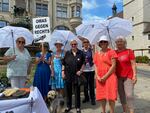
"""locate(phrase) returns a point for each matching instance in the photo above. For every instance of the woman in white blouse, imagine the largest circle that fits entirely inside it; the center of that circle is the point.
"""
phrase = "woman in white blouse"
(18, 64)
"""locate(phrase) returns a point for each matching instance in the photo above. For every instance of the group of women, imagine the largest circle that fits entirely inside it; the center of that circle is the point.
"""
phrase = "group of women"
(115, 72)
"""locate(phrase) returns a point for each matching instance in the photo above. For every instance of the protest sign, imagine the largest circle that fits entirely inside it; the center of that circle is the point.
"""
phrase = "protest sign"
(41, 28)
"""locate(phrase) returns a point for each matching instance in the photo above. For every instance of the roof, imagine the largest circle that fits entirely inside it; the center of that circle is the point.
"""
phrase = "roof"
(120, 14)
(147, 29)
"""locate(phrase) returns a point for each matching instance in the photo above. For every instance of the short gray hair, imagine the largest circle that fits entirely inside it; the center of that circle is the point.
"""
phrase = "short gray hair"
(122, 38)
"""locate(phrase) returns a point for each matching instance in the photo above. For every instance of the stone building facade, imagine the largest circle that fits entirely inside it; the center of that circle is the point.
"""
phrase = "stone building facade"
(137, 11)
(64, 14)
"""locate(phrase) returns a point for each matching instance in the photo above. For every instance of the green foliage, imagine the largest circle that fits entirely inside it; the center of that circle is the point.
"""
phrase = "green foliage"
(3, 78)
(22, 24)
(142, 59)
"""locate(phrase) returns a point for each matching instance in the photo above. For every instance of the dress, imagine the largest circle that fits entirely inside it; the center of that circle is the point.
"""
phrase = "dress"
(108, 89)
(42, 75)
(57, 82)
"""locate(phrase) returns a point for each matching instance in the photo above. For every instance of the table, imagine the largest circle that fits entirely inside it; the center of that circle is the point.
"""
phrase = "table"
(33, 104)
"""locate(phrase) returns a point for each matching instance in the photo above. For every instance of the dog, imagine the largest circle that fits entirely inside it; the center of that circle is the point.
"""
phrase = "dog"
(55, 102)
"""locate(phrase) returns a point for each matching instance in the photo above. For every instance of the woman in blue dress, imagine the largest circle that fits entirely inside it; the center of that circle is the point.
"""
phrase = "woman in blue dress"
(43, 71)
(57, 81)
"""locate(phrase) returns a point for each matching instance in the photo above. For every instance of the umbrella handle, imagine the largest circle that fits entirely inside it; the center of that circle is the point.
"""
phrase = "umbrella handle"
(65, 45)
(12, 34)
(42, 48)
(110, 38)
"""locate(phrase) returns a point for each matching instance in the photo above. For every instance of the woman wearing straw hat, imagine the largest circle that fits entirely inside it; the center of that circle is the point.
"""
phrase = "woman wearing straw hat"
(56, 65)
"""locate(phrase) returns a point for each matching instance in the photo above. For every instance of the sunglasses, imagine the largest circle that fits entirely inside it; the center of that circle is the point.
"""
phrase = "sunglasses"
(86, 42)
(73, 44)
(21, 42)
(103, 42)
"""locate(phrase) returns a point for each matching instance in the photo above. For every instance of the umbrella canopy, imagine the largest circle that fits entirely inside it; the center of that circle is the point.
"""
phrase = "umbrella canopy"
(83, 29)
(9, 34)
(111, 28)
(65, 37)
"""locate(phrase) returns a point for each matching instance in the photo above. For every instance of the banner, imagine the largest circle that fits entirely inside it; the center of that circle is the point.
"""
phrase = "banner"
(41, 28)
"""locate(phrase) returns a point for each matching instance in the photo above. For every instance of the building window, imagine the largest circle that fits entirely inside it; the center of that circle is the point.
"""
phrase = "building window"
(148, 36)
(73, 11)
(132, 18)
(61, 11)
(4, 5)
(78, 13)
(132, 37)
(149, 49)
(62, 28)
(3, 24)
(41, 9)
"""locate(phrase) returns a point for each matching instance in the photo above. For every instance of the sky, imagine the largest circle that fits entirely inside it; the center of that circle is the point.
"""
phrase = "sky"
(99, 9)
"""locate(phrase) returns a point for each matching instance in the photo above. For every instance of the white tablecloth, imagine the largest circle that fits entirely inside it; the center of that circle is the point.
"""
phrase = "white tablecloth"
(33, 104)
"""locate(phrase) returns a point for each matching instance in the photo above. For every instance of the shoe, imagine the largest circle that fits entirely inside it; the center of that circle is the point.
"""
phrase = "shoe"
(78, 110)
(93, 102)
(85, 100)
(67, 110)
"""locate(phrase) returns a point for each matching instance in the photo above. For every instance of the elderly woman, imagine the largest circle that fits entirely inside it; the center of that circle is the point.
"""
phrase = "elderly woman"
(73, 66)
(18, 66)
(106, 80)
(43, 71)
(126, 72)
(88, 73)
(57, 82)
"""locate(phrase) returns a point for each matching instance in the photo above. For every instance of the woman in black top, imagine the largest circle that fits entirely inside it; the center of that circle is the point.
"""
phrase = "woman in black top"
(73, 65)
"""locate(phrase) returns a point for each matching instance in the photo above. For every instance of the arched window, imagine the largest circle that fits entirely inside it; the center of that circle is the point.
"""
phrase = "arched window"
(62, 28)
(78, 11)
(73, 11)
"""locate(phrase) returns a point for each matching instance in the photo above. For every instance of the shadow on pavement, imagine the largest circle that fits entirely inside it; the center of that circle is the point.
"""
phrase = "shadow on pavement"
(141, 106)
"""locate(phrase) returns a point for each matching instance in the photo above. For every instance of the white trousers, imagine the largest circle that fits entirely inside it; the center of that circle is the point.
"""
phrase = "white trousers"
(18, 82)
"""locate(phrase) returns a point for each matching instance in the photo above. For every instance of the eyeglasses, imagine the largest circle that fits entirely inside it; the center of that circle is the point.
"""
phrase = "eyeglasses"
(21, 42)
(103, 42)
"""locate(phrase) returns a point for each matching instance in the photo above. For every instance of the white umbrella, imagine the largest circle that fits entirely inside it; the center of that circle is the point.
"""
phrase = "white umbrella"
(65, 36)
(111, 28)
(83, 29)
(9, 34)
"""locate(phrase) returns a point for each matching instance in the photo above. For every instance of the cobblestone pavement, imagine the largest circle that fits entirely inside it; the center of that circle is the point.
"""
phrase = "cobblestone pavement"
(142, 99)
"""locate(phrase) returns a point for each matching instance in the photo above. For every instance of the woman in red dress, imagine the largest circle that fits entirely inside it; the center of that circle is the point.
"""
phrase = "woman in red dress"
(106, 80)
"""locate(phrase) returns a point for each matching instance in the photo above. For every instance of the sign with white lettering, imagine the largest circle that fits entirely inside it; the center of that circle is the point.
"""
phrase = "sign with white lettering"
(41, 28)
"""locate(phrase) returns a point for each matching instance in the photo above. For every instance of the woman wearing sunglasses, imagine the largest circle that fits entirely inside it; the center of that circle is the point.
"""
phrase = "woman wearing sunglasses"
(88, 73)
(106, 80)
(73, 65)
(18, 64)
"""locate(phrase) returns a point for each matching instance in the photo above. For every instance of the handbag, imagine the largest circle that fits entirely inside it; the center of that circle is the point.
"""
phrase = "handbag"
(81, 80)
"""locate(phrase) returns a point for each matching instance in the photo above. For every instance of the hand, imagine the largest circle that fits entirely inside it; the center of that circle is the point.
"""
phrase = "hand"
(103, 79)
(63, 74)
(52, 74)
(78, 73)
(13, 57)
(42, 58)
(134, 80)
(98, 78)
